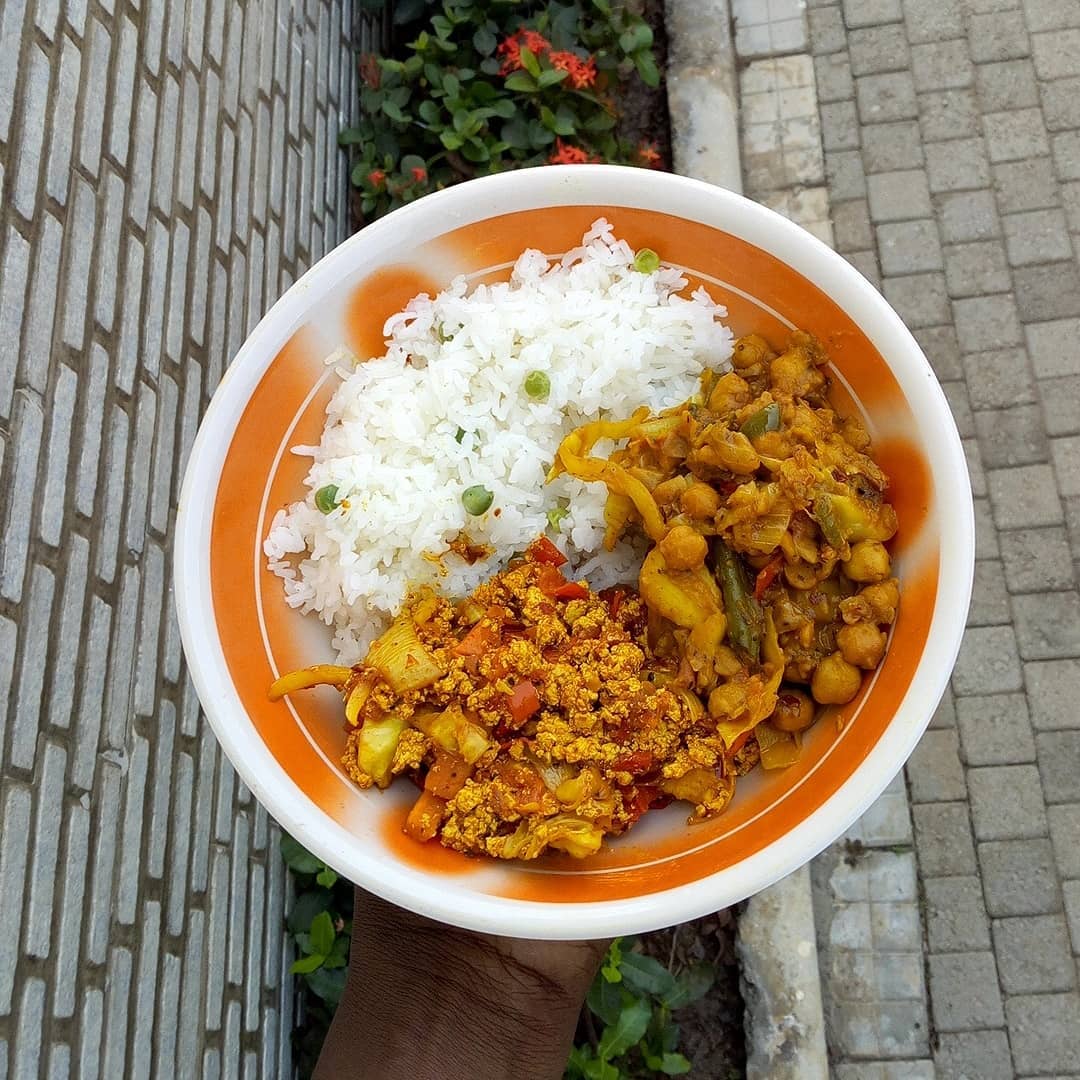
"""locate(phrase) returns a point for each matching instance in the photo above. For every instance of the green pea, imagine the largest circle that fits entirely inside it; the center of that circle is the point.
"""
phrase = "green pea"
(460, 434)
(537, 385)
(477, 500)
(646, 261)
(326, 499)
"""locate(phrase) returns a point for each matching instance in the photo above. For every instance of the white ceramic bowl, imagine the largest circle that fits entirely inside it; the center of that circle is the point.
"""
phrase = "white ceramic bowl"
(238, 634)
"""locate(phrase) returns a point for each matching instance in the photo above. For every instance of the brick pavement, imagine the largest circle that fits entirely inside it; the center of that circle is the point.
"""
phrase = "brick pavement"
(950, 134)
(167, 170)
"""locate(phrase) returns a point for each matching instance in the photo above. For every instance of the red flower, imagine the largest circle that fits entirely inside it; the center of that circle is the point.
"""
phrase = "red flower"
(376, 178)
(581, 73)
(650, 156)
(569, 155)
(419, 174)
(368, 66)
(510, 49)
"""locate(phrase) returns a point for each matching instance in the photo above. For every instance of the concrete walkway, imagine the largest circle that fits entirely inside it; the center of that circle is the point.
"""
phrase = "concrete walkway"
(937, 143)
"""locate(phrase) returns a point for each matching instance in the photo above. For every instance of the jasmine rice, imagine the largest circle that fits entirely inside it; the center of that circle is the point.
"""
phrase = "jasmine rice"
(475, 392)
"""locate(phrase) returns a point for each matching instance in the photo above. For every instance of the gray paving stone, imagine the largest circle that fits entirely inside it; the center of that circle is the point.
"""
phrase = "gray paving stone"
(1044, 1032)
(1036, 236)
(1024, 497)
(1050, 14)
(968, 215)
(920, 299)
(896, 196)
(964, 991)
(986, 322)
(948, 114)
(1012, 436)
(957, 165)
(844, 171)
(976, 269)
(1015, 135)
(934, 770)
(986, 540)
(877, 50)
(45, 847)
(1047, 625)
(956, 918)
(941, 65)
(886, 97)
(1054, 53)
(942, 350)
(960, 407)
(943, 839)
(908, 247)
(1051, 346)
(976, 473)
(1059, 759)
(1019, 878)
(926, 20)
(1053, 689)
(832, 75)
(995, 730)
(1065, 146)
(973, 1055)
(851, 226)
(988, 662)
(839, 126)
(1037, 560)
(1061, 404)
(1064, 823)
(1066, 457)
(1026, 185)
(13, 863)
(1007, 803)
(995, 36)
(1009, 84)
(1000, 377)
(1033, 954)
(892, 147)
(945, 714)
(1061, 103)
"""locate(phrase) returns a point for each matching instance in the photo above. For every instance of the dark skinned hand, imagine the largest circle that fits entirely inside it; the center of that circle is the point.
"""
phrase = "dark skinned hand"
(424, 1001)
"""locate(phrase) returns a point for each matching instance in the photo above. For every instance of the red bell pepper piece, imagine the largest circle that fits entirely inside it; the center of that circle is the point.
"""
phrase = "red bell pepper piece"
(544, 551)
(767, 575)
(524, 701)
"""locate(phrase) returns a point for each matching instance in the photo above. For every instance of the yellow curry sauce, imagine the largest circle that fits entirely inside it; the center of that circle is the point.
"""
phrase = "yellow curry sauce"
(538, 714)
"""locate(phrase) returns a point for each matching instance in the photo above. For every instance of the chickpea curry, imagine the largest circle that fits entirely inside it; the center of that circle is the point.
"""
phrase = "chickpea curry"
(538, 714)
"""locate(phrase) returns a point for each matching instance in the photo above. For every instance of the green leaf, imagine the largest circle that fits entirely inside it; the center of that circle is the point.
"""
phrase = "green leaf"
(601, 1070)
(522, 81)
(646, 68)
(601, 121)
(539, 136)
(326, 877)
(322, 933)
(433, 74)
(602, 6)
(620, 1036)
(393, 110)
(413, 66)
(350, 137)
(451, 140)
(327, 984)
(483, 93)
(638, 36)
(484, 41)
(550, 77)
(412, 161)
(605, 1000)
(490, 66)
(443, 26)
(307, 964)
(452, 85)
(297, 857)
(579, 1058)
(516, 133)
(610, 969)
(428, 111)
(474, 150)
(669, 1036)
(646, 975)
(307, 906)
(565, 122)
(674, 1065)
(529, 62)
(504, 107)
(406, 11)
(692, 984)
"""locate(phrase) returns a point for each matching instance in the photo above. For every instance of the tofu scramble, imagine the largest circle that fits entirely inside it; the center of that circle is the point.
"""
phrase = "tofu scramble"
(538, 714)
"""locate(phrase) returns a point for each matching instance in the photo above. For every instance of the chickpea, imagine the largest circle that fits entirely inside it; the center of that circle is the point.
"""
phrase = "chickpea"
(749, 351)
(683, 548)
(669, 491)
(800, 575)
(794, 711)
(730, 393)
(869, 562)
(700, 501)
(861, 644)
(835, 681)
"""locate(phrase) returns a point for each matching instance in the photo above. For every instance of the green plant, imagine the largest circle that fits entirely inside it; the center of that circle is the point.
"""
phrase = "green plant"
(490, 85)
(634, 995)
(320, 924)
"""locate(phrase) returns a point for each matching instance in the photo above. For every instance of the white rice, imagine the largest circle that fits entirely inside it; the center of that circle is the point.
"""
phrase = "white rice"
(609, 338)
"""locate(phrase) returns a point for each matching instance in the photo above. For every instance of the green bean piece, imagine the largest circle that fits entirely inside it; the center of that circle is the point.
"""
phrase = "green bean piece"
(537, 385)
(646, 261)
(746, 620)
(459, 435)
(326, 500)
(823, 513)
(477, 500)
(555, 516)
(767, 419)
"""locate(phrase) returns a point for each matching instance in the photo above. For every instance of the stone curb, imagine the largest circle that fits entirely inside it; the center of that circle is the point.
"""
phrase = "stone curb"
(777, 945)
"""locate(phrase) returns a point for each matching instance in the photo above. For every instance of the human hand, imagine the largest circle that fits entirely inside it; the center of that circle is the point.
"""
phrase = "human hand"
(428, 1001)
